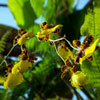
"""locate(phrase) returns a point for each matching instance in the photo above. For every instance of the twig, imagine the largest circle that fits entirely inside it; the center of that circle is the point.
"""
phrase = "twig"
(58, 53)
(5, 62)
(63, 38)
(56, 40)
(3, 5)
(8, 53)
(70, 44)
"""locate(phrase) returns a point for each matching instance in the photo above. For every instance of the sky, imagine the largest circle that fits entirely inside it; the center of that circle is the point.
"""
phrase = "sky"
(6, 18)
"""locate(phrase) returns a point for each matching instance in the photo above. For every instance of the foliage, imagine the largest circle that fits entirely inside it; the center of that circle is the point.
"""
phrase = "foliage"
(42, 80)
(92, 68)
(3, 41)
(92, 21)
(23, 13)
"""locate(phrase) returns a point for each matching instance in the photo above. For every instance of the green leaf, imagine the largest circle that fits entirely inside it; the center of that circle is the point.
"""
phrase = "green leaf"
(92, 70)
(45, 8)
(4, 40)
(3, 94)
(70, 5)
(91, 26)
(92, 21)
(38, 6)
(23, 13)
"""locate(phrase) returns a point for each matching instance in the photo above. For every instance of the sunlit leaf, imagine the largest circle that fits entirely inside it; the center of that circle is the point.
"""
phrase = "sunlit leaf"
(92, 21)
(23, 13)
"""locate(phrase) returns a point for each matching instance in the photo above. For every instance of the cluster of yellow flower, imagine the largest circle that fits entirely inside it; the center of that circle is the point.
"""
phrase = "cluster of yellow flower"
(14, 75)
(46, 30)
(84, 51)
(23, 36)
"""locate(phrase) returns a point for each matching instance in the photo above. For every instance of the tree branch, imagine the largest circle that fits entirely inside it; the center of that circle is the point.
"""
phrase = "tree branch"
(3, 5)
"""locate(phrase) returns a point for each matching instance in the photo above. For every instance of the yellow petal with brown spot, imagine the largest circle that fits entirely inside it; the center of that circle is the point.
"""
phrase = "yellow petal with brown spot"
(78, 79)
(89, 51)
(13, 80)
(64, 52)
(24, 37)
(21, 66)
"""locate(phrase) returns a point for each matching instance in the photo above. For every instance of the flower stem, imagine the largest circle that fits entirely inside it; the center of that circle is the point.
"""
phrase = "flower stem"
(63, 38)
(58, 53)
(9, 53)
(70, 44)
(5, 62)
(56, 40)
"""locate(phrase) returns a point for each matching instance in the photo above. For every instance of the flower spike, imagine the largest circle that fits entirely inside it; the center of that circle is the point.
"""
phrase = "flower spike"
(23, 36)
(13, 80)
(89, 51)
(46, 30)
(25, 62)
(64, 51)
(78, 79)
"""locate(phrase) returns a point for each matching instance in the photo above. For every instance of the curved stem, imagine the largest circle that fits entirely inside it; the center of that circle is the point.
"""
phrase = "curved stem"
(9, 53)
(56, 40)
(5, 62)
(65, 40)
(58, 53)
(70, 44)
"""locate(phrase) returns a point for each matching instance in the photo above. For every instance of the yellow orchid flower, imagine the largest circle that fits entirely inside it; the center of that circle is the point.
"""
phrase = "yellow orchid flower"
(42, 37)
(1, 79)
(13, 80)
(21, 40)
(51, 30)
(24, 37)
(89, 51)
(64, 51)
(78, 79)
(65, 70)
(45, 34)
(21, 66)
(29, 34)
